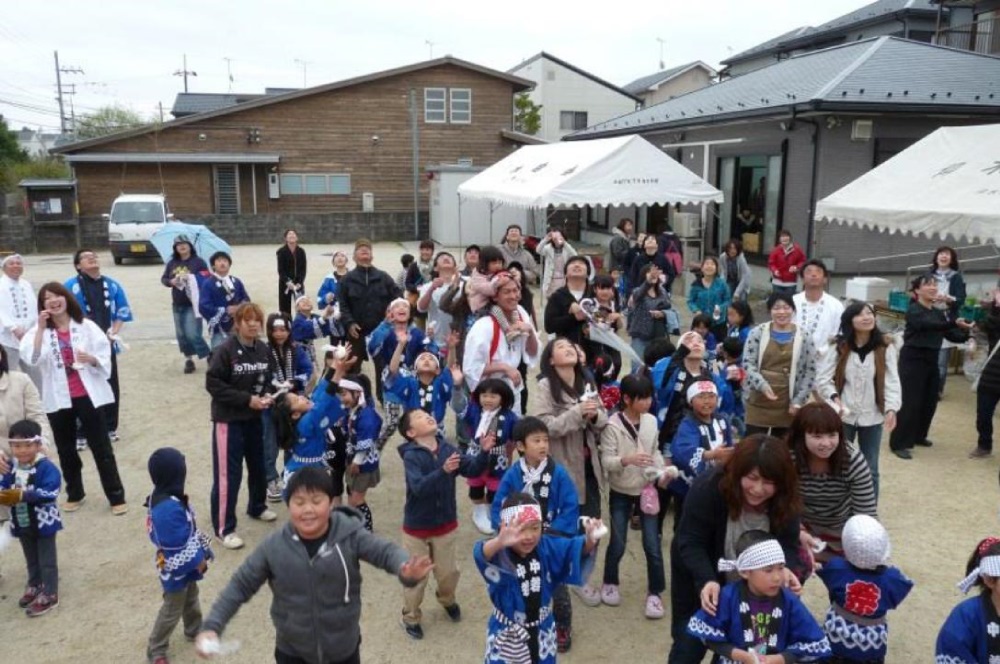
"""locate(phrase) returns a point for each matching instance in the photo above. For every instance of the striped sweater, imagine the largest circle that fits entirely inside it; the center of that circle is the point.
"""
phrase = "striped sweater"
(830, 500)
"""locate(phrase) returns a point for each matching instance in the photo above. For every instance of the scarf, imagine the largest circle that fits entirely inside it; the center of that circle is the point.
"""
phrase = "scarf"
(18, 300)
(226, 282)
(505, 323)
(487, 423)
(283, 371)
(532, 475)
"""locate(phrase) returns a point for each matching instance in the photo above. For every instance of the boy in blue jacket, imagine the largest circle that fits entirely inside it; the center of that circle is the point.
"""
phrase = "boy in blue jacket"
(430, 514)
(30, 489)
(182, 552)
(218, 297)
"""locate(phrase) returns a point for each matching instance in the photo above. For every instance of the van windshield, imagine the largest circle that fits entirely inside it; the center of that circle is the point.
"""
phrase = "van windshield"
(137, 212)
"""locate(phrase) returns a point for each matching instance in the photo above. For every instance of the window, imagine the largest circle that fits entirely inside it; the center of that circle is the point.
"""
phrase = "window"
(572, 120)
(434, 105)
(461, 105)
(227, 189)
(315, 184)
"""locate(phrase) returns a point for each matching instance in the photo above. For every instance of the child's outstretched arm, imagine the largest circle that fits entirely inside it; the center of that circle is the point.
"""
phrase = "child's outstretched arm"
(394, 559)
(402, 338)
(243, 585)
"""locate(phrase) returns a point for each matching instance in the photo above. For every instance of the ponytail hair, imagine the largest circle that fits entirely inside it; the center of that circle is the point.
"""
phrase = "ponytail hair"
(286, 431)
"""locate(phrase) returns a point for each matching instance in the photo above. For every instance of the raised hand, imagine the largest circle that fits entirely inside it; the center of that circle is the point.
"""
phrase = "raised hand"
(416, 568)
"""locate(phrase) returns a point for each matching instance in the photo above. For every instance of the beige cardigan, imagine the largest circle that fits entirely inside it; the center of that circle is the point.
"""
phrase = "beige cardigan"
(568, 433)
(19, 400)
(617, 442)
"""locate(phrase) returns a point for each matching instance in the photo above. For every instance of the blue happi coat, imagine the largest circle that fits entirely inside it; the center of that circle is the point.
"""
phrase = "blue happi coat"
(561, 511)
(37, 513)
(310, 447)
(965, 634)
(180, 547)
(214, 297)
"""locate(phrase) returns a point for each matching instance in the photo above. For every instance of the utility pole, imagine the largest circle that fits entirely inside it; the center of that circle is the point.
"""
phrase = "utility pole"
(229, 72)
(185, 73)
(161, 112)
(305, 65)
(59, 89)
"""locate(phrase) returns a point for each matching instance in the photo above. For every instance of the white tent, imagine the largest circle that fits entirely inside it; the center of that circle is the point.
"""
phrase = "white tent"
(612, 171)
(946, 184)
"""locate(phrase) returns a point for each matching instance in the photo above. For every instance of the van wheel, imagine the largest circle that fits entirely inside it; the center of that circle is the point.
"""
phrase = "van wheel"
(118, 260)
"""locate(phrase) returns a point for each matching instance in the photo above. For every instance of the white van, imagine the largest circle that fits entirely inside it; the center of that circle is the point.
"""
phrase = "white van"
(133, 220)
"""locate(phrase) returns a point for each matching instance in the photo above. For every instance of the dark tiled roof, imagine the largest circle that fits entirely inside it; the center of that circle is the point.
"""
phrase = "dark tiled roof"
(189, 103)
(883, 73)
(574, 68)
(641, 85)
(870, 13)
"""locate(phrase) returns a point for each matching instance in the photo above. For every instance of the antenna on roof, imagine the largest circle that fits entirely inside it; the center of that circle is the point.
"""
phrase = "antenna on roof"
(662, 41)
(430, 48)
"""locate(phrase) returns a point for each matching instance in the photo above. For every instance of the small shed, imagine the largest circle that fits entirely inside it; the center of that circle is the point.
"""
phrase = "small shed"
(52, 211)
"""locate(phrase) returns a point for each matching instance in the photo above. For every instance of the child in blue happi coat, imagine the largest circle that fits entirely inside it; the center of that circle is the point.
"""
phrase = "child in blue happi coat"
(182, 551)
(756, 619)
(971, 634)
(218, 297)
(327, 294)
(30, 489)
(863, 588)
(489, 414)
(739, 320)
(521, 567)
(352, 445)
(703, 440)
(422, 384)
(307, 326)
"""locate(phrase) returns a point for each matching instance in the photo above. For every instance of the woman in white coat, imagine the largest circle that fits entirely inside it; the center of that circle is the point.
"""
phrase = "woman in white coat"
(74, 357)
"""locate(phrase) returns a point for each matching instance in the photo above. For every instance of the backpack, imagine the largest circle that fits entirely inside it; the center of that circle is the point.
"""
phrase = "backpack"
(673, 253)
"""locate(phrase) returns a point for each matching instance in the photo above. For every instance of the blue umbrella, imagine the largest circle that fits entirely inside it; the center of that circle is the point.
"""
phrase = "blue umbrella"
(204, 241)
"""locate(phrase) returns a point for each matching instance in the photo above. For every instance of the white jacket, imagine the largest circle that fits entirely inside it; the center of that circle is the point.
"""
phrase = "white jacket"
(859, 385)
(85, 336)
(18, 308)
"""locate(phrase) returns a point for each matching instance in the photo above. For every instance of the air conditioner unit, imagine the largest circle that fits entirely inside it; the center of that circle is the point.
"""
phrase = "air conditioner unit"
(687, 224)
(273, 186)
(367, 202)
(862, 130)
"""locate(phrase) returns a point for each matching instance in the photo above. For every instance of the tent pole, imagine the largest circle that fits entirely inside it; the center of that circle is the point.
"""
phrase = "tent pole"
(459, 218)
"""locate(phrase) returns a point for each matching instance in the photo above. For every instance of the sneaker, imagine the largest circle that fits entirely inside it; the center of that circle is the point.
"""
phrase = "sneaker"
(267, 515)
(274, 491)
(120, 509)
(42, 605)
(980, 453)
(415, 632)
(654, 607)
(589, 595)
(162, 659)
(481, 517)
(610, 595)
(73, 505)
(924, 443)
(113, 436)
(81, 444)
(189, 366)
(564, 638)
(232, 541)
(30, 593)
(454, 612)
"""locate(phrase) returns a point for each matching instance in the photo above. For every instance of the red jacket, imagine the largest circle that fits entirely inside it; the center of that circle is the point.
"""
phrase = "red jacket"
(780, 263)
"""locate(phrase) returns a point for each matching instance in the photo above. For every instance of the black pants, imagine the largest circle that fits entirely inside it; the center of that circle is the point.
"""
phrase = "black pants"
(43, 564)
(684, 602)
(94, 427)
(284, 658)
(232, 443)
(986, 405)
(918, 374)
(592, 501)
(111, 410)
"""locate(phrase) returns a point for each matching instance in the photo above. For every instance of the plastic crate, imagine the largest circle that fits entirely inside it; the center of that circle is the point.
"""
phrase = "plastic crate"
(899, 301)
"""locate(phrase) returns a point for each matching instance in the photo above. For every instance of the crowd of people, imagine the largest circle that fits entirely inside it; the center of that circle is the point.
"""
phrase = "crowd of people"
(759, 441)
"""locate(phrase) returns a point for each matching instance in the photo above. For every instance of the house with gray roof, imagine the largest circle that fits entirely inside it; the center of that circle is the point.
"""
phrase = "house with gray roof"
(669, 83)
(910, 19)
(780, 138)
(189, 103)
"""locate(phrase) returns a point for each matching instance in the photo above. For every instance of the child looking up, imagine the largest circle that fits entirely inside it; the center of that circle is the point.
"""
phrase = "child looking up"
(182, 551)
(219, 296)
(352, 447)
(863, 588)
(430, 514)
(427, 387)
(969, 635)
(308, 326)
(521, 567)
(757, 620)
(30, 489)
(702, 324)
(480, 288)
(488, 414)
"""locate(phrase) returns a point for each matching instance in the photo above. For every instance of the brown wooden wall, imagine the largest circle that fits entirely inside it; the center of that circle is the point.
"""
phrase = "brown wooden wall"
(324, 133)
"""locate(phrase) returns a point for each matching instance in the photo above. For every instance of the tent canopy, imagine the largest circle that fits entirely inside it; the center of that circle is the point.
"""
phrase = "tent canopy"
(626, 170)
(946, 184)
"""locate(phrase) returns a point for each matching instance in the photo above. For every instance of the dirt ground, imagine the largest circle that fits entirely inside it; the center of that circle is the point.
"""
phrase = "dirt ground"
(936, 507)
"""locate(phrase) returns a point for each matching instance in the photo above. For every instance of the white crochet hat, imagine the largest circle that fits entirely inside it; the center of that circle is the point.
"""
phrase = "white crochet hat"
(866, 542)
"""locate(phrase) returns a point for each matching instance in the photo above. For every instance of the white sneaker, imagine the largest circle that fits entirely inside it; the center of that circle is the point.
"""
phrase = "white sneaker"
(267, 515)
(81, 444)
(113, 436)
(232, 541)
(588, 594)
(274, 491)
(481, 517)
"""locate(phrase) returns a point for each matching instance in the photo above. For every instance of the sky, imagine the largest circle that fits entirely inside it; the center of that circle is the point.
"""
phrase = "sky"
(128, 52)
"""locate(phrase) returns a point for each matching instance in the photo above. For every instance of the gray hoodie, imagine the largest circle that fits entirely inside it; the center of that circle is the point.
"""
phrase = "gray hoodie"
(316, 604)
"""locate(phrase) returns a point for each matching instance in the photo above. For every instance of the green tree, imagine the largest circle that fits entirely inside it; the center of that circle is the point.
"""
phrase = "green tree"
(107, 120)
(41, 168)
(527, 115)
(11, 154)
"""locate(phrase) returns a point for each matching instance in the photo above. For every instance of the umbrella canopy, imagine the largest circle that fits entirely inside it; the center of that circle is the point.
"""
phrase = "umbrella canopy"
(626, 170)
(946, 184)
(204, 241)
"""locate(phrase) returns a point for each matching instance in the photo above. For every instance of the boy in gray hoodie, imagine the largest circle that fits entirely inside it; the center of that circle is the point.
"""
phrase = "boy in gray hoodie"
(313, 568)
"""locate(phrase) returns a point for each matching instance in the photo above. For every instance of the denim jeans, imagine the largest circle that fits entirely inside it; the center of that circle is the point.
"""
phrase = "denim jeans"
(620, 506)
(188, 331)
(986, 405)
(869, 442)
(217, 338)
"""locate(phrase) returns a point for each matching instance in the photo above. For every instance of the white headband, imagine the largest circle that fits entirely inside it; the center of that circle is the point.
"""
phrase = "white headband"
(399, 301)
(518, 514)
(758, 556)
(33, 439)
(351, 386)
(437, 360)
(300, 298)
(279, 322)
(701, 387)
(10, 258)
(988, 566)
